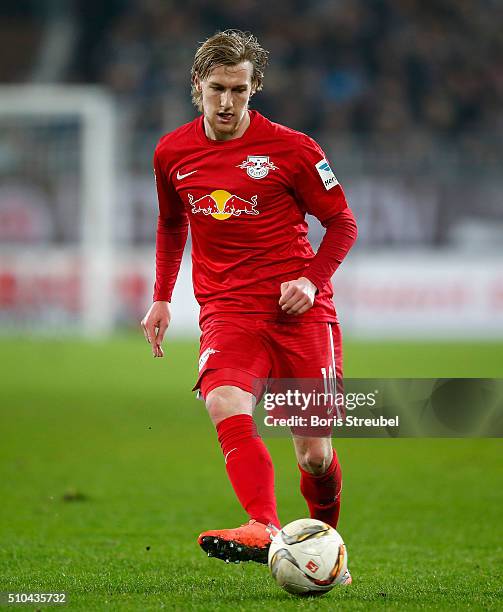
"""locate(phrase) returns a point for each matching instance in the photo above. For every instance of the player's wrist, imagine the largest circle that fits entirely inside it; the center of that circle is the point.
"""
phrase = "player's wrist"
(313, 284)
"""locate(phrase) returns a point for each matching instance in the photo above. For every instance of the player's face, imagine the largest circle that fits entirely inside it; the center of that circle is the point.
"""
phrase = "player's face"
(225, 96)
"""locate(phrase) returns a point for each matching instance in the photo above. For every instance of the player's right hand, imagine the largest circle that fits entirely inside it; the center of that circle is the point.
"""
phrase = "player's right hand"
(154, 325)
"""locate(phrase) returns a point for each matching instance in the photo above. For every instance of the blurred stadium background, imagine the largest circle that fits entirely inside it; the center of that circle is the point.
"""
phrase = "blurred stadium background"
(406, 98)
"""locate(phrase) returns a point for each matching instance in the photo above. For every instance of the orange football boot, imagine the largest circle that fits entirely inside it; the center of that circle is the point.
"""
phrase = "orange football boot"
(250, 542)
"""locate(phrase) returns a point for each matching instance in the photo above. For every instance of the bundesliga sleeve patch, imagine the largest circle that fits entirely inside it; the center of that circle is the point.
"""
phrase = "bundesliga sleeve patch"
(327, 176)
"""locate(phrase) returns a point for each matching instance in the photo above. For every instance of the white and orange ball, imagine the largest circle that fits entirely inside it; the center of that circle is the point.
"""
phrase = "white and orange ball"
(308, 557)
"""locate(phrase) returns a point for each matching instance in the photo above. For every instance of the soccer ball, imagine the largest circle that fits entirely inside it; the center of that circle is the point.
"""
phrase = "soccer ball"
(308, 557)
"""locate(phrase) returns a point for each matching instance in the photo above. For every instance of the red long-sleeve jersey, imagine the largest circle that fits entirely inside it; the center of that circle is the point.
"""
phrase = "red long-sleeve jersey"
(246, 200)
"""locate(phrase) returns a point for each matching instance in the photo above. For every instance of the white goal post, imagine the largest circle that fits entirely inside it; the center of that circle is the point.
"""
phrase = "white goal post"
(94, 109)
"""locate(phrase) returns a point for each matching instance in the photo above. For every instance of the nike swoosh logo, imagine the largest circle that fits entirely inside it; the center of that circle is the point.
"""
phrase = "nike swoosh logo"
(182, 176)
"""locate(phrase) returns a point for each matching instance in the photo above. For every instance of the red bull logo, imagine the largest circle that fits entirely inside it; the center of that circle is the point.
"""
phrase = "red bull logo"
(221, 205)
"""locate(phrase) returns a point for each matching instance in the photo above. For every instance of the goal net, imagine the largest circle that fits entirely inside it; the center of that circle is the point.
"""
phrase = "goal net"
(57, 197)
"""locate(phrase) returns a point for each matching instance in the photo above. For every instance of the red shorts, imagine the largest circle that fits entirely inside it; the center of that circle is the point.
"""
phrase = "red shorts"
(238, 351)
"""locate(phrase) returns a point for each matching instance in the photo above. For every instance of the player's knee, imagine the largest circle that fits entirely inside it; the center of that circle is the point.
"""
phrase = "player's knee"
(315, 460)
(222, 403)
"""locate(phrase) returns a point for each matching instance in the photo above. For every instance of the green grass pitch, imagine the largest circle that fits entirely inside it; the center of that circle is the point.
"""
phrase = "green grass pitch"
(109, 469)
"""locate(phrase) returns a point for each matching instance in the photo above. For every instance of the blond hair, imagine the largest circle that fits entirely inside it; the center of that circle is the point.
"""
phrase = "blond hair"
(228, 48)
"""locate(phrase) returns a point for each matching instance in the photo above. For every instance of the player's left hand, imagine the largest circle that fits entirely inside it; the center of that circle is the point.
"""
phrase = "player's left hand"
(297, 296)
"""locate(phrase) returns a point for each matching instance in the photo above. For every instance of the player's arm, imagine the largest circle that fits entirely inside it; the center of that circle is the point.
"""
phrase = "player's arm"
(341, 233)
(318, 190)
(172, 229)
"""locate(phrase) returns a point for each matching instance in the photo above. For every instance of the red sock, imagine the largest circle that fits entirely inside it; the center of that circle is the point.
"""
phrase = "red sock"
(249, 467)
(323, 492)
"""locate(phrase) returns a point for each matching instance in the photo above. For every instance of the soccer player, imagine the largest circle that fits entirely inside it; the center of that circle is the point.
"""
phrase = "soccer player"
(245, 184)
